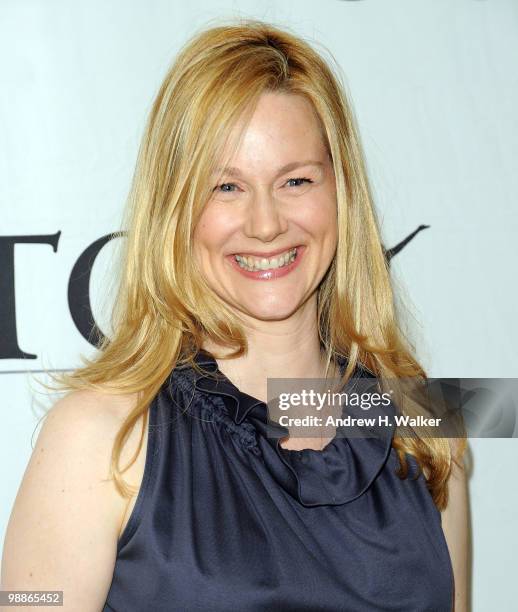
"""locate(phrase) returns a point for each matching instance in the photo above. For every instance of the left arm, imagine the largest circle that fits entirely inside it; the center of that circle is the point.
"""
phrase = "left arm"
(455, 524)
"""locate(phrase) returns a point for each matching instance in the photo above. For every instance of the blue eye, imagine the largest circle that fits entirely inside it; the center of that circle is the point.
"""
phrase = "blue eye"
(224, 185)
(299, 179)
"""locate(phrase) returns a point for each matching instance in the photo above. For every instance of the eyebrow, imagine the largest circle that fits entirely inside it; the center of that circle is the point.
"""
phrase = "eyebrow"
(233, 171)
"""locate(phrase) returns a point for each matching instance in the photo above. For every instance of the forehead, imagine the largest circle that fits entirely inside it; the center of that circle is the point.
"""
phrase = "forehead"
(283, 128)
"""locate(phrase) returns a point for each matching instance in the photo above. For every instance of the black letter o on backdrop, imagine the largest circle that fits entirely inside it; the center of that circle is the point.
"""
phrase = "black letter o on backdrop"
(79, 290)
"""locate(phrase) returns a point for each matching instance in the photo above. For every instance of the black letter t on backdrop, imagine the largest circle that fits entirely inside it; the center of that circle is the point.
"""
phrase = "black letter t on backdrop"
(9, 348)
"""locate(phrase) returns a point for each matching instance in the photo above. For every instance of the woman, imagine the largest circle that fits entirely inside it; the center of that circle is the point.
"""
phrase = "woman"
(252, 252)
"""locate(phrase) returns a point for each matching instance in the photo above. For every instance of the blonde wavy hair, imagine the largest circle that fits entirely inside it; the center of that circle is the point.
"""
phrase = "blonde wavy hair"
(164, 309)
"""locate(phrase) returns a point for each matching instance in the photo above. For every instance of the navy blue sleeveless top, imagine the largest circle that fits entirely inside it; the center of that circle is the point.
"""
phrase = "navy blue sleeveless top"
(226, 519)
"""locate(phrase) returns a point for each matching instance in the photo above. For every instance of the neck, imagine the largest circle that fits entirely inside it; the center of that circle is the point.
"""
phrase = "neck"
(276, 349)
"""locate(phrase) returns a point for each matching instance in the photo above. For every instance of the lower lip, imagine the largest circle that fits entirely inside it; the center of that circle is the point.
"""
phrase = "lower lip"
(269, 274)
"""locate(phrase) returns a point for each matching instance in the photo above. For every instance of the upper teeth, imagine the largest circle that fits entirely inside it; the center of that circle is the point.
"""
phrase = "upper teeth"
(250, 263)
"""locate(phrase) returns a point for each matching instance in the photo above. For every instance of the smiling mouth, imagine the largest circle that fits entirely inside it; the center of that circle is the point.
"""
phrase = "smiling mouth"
(253, 264)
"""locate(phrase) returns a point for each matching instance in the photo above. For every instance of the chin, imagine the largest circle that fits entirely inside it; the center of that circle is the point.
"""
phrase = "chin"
(270, 314)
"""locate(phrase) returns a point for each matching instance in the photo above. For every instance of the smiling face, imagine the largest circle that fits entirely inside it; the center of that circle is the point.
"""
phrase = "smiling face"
(277, 195)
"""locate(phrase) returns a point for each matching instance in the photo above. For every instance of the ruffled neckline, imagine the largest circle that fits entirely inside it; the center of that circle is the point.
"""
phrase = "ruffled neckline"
(338, 473)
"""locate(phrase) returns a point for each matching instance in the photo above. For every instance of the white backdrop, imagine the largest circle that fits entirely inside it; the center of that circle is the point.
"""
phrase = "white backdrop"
(434, 84)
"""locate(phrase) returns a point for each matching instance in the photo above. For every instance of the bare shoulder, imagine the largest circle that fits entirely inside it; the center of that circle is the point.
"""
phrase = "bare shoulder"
(64, 525)
(97, 407)
(98, 416)
(90, 421)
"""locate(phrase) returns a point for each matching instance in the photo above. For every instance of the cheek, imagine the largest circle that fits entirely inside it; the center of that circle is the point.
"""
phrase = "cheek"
(211, 232)
(318, 217)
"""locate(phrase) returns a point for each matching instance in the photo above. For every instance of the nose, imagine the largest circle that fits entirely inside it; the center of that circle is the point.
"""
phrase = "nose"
(265, 219)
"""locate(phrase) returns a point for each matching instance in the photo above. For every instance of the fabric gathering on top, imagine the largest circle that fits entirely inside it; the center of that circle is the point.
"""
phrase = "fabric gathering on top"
(226, 519)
